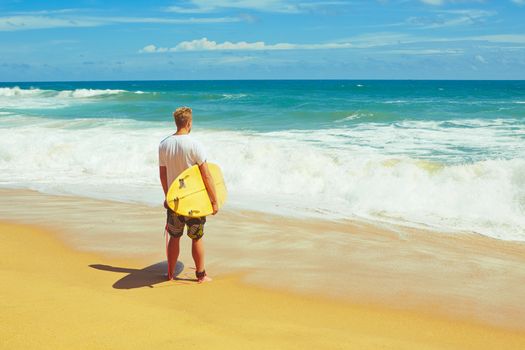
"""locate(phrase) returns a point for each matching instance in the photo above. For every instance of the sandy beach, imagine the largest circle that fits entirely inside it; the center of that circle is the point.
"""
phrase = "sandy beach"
(366, 159)
(85, 273)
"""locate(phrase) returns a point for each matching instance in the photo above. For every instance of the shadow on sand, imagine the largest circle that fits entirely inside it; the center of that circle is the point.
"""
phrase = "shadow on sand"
(146, 277)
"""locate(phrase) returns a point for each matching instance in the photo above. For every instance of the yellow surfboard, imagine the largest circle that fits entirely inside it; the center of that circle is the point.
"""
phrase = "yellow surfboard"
(187, 194)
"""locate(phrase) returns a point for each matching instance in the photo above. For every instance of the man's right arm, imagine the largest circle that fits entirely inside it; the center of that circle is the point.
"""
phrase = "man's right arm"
(163, 173)
(210, 186)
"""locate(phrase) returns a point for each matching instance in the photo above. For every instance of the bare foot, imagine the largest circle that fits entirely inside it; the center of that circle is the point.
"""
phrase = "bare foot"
(204, 279)
(202, 276)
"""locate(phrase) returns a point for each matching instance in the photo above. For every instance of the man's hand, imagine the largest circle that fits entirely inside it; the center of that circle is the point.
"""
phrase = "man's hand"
(210, 186)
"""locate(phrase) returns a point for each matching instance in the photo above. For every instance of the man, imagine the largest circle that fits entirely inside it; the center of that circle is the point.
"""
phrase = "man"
(178, 152)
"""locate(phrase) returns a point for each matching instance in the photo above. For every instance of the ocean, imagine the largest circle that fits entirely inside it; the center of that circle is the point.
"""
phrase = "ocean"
(443, 155)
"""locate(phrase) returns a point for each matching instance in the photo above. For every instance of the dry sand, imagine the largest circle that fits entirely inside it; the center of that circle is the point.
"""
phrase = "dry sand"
(54, 297)
(90, 276)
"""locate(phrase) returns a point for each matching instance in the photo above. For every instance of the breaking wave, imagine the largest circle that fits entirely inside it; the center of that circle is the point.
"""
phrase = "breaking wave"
(289, 172)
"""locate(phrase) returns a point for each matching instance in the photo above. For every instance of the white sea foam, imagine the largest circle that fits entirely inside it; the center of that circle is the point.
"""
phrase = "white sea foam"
(15, 97)
(233, 96)
(18, 92)
(362, 172)
(77, 93)
(352, 116)
(395, 101)
(87, 93)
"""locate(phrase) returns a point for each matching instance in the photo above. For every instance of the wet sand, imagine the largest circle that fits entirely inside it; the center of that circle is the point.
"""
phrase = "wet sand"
(282, 282)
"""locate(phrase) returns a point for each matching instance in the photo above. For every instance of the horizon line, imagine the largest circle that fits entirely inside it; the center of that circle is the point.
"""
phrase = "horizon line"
(242, 79)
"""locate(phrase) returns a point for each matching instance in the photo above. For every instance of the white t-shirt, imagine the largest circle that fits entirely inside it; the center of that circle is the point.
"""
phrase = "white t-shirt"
(179, 152)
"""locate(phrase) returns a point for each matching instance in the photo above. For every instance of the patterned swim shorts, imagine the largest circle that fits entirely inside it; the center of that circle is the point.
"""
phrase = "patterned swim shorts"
(175, 225)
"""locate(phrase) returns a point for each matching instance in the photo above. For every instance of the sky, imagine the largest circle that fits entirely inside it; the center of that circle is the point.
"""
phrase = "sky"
(254, 39)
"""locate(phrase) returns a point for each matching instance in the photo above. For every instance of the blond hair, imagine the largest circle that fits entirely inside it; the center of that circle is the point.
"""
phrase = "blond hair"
(182, 116)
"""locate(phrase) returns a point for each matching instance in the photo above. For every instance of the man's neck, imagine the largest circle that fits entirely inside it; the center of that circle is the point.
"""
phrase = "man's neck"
(182, 131)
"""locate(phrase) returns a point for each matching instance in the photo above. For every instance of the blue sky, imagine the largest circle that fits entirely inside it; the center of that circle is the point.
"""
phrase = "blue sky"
(254, 39)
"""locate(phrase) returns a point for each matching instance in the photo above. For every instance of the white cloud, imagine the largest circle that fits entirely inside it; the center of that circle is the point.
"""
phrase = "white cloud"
(283, 6)
(441, 2)
(431, 52)
(113, 20)
(451, 18)
(24, 22)
(519, 2)
(365, 41)
(209, 45)
(179, 9)
(47, 12)
(494, 38)
(480, 59)
(150, 49)
(498, 38)
(433, 2)
(203, 6)
(40, 22)
(396, 38)
(379, 39)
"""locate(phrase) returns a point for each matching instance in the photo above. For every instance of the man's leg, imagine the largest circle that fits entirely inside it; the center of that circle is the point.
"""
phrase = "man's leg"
(173, 255)
(195, 232)
(197, 251)
(174, 227)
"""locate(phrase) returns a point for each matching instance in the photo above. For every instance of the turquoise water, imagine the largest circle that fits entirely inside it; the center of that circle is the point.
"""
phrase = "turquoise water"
(444, 154)
(280, 105)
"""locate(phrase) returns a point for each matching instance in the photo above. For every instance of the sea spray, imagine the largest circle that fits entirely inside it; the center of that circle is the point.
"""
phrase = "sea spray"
(444, 155)
(271, 172)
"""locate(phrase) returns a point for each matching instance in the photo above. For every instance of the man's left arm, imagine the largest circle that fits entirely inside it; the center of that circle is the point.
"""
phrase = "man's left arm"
(210, 186)
(200, 160)
(163, 173)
